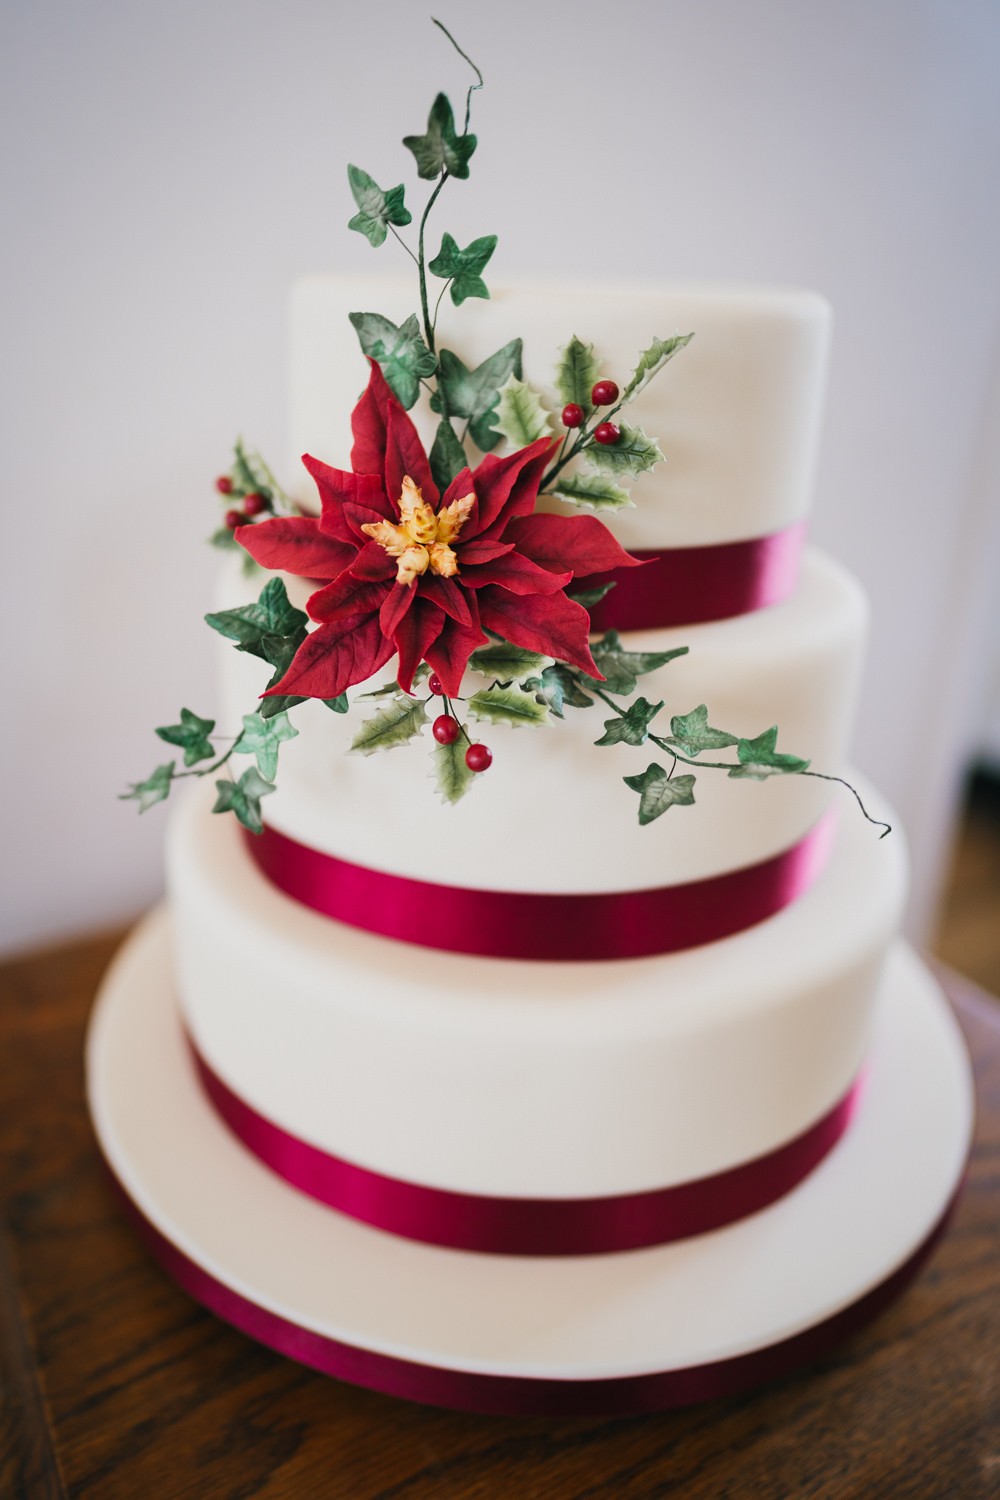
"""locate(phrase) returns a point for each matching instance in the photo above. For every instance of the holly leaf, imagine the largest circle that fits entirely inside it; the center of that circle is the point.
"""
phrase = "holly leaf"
(243, 798)
(576, 372)
(589, 597)
(401, 719)
(192, 735)
(504, 662)
(633, 453)
(631, 727)
(251, 475)
(441, 149)
(692, 733)
(507, 705)
(474, 394)
(401, 352)
(377, 209)
(155, 788)
(447, 456)
(263, 738)
(652, 360)
(593, 491)
(521, 418)
(658, 791)
(272, 614)
(759, 759)
(621, 668)
(463, 268)
(451, 774)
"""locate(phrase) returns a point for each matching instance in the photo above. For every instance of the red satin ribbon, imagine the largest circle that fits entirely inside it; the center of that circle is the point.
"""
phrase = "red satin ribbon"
(521, 1395)
(541, 925)
(529, 1226)
(690, 585)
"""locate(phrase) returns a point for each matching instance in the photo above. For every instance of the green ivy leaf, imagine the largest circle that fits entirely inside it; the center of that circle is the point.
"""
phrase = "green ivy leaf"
(652, 360)
(576, 373)
(263, 738)
(338, 705)
(243, 798)
(447, 456)
(401, 719)
(441, 149)
(759, 759)
(463, 268)
(560, 685)
(633, 453)
(192, 735)
(401, 352)
(376, 209)
(589, 597)
(594, 491)
(631, 727)
(271, 615)
(504, 662)
(451, 774)
(692, 733)
(474, 394)
(279, 651)
(621, 668)
(658, 791)
(507, 705)
(521, 418)
(155, 788)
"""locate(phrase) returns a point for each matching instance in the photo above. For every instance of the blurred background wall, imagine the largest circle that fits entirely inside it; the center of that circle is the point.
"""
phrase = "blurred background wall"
(169, 169)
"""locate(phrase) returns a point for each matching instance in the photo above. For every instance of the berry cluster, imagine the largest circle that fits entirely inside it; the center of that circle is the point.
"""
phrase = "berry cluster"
(255, 503)
(604, 393)
(446, 730)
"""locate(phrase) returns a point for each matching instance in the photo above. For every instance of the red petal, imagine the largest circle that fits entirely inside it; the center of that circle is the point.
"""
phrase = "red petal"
(518, 574)
(581, 543)
(404, 454)
(386, 441)
(368, 424)
(346, 598)
(471, 554)
(395, 605)
(415, 634)
(337, 487)
(296, 544)
(331, 659)
(450, 653)
(552, 624)
(507, 487)
(447, 595)
(373, 563)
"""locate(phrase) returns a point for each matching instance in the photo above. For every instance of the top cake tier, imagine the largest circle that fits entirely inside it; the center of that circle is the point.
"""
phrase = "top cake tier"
(737, 413)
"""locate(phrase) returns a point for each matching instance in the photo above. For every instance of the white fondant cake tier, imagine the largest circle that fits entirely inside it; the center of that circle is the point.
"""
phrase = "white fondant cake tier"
(737, 413)
(552, 813)
(512, 1078)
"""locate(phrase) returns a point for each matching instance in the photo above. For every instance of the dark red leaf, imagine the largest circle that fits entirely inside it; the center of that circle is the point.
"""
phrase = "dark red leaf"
(346, 598)
(415, 634)
(395, 605)
(552, 624)
(446, 594)
(332, 659)
(373, 563)
(338, 487)
(404, 454)
(583, 544)
(296, 544)
(518, 574)
(507, 487)
(449, 655)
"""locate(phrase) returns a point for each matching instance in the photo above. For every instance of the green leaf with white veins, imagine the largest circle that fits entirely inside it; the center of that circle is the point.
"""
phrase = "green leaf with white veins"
(395, 724)
(191, 735)
(592, 491)
(631, 727)
(377, 209)
(621, 668)
(447, 456)
(759, 759)
(658, 791)
(505, 662)
(576, 373)
(243, 798)
(451, 774)
(271, 615)
(472, 395)
(692, 733)
(404, 357)
(507, 705)
(155, 788)
(652, 360)
(263, 738)
(633, 453)
(441, 149)
(463, 268)
(521, 418)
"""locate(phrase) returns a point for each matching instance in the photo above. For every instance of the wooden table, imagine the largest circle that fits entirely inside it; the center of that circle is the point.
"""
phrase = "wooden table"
(114, 1384)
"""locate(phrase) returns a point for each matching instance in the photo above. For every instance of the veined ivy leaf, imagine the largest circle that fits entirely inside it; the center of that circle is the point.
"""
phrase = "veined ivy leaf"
(447, 456)
(576, 373)
(631, 727)
(271, 615)
(279, 650)
(652, 360)
(473, 394)
(376, 209)
(451, 775)
(594, 491)
(692, 733)
(463, 268)
(192, 735)
(401, 352)
(521, 418)
(621, 668)
(589, 597)
(155, 788)
(243, 798)
(338, 705)
(560, 685)
(505, 662)
(401, 719)
(263, 738)
(507, 705)
(441, 149)
(759, 759)
(658, 791)
(633, 453)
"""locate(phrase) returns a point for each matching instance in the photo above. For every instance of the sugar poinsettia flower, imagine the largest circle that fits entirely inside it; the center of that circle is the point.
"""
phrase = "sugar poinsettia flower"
(424, 575)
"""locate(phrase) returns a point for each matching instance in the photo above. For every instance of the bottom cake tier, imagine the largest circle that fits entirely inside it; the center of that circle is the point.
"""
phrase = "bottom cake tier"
(630, 1332)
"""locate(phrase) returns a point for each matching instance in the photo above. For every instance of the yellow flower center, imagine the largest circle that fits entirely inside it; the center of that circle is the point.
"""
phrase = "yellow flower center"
(423, 537)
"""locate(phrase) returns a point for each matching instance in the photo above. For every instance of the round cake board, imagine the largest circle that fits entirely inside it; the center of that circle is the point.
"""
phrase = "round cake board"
(637, 1331)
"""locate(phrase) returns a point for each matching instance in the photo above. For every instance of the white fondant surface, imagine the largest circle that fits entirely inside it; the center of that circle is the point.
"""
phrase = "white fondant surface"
(552, 813)
(840, 1233)
(514, 1078)
(737, 413)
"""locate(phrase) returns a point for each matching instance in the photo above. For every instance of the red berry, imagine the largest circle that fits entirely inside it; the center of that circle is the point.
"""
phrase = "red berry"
(445, 729)
(435, 684)
(234, 518)
(224, 484)
(573, 415)
(607, 433)
(605, 393)
(478, 758)
(254, 504)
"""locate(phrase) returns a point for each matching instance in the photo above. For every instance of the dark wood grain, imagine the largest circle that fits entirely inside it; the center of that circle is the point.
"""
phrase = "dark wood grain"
(115, 1385)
